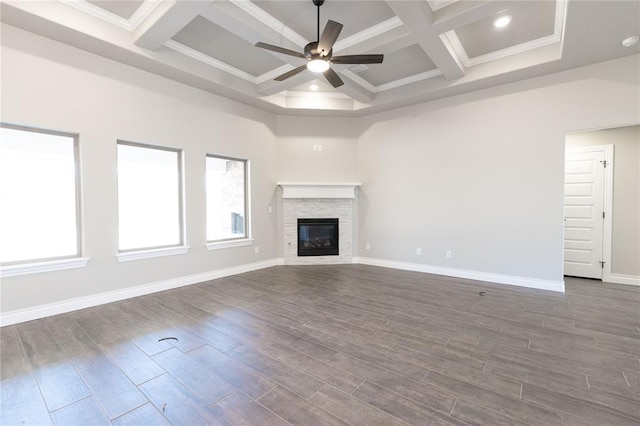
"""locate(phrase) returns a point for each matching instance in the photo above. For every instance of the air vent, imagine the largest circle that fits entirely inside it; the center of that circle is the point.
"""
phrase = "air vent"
(358, 68)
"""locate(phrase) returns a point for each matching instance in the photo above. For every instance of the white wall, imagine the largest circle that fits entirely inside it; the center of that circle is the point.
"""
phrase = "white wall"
(625, 235)
(481, 174)
(52, 86)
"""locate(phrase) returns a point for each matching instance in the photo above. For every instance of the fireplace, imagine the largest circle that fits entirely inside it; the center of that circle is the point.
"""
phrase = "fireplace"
(318, 200)
(318, 237)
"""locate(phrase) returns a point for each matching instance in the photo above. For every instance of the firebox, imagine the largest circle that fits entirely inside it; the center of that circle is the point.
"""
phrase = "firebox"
(318, 237)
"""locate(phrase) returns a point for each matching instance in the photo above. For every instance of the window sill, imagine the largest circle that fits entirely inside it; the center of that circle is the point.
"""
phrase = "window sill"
(40, 267)
(148, 254)
(217, 245)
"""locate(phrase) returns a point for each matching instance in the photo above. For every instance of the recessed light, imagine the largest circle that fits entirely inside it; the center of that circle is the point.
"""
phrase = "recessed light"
(630, 41)
(502, 21)
(314, 87)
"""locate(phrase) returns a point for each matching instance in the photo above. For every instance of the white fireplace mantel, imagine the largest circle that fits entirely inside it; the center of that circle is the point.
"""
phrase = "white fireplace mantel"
(318, 189)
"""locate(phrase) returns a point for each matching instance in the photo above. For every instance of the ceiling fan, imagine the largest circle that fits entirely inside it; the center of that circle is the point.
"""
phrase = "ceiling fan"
(319, 54)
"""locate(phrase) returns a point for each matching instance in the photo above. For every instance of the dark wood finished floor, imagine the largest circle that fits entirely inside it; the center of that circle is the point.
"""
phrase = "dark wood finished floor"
(318, 345)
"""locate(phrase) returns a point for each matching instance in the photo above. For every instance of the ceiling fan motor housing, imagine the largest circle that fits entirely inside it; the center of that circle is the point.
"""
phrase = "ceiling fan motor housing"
(311, 52)
(319, 53)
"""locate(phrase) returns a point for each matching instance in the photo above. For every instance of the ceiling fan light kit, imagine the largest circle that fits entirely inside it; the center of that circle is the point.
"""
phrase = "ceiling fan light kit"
(318, 65)
(319, 54)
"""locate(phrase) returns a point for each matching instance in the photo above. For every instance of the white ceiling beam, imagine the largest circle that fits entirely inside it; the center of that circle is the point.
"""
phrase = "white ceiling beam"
(271, 87)
(354, 90)
(416, 16)
(248, 27)
(166, 21)
(387, 42)
(459, 14)
(74, 27)
(228, 16)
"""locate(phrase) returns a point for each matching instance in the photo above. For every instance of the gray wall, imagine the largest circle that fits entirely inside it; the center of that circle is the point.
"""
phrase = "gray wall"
(625, 241)
(338, 160)
(49, 85)
(481, 174)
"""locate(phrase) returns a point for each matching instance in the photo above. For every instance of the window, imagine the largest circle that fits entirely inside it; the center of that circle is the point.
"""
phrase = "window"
(149, 198)
(226, 199)
(39, 197)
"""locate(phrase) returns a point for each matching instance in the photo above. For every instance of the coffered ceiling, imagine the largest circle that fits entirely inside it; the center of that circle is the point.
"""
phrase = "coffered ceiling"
(432, 48)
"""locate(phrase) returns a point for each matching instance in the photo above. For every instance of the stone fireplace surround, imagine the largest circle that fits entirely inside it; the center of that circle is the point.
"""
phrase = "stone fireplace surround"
(318, 200)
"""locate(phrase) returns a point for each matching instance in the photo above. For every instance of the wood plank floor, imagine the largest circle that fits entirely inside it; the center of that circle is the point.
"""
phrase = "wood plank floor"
(347, 345)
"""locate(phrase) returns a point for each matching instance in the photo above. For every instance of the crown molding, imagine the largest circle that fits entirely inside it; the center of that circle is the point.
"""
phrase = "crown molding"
(100, 13)
(556, 37)
(439, 4)
(199, 56)
(140, 14)
(323, 95)
(392, 84)
(408, 80)
(359, 80)
(256, 12)
(270, 75)
(366, 34)
(143, 13)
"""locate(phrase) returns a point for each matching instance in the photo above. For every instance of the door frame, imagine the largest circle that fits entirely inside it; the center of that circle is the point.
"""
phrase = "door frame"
(607, 229)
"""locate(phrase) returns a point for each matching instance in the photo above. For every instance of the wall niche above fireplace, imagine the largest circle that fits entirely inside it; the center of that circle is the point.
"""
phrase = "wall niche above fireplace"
(318, 237)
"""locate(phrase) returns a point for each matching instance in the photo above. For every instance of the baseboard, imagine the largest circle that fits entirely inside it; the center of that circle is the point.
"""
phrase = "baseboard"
(623, 279)
(461, 273)
(23, 315)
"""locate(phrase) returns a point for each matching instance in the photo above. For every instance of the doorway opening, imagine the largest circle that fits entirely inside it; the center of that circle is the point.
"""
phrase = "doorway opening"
(602, 202)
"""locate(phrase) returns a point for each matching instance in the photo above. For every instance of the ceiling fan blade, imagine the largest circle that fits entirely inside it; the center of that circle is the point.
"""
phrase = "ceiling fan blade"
(328, 38)
(358, 59)
(291, 73)
(279, 49)
(333, 78)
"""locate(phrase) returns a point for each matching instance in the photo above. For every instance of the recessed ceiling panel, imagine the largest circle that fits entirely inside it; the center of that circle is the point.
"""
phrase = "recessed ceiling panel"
(322, 86)
(530, 20)
(124, 9)
(592, 31)
(397, 65)
(439, 4)
(301, 16)
(212, 40)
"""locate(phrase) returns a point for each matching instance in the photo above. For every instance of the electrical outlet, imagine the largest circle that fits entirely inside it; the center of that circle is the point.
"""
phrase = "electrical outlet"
(319, 147)
(449, 254)
(367, 246)
(270, 209)
(419, 251)
(256, 249)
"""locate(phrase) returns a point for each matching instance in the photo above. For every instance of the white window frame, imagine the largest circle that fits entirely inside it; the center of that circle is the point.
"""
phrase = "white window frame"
(167, 250)
(238, 241)
(76, 260)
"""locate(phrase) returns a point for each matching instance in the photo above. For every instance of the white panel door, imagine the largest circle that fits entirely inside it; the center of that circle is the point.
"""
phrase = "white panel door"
(584, 213)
